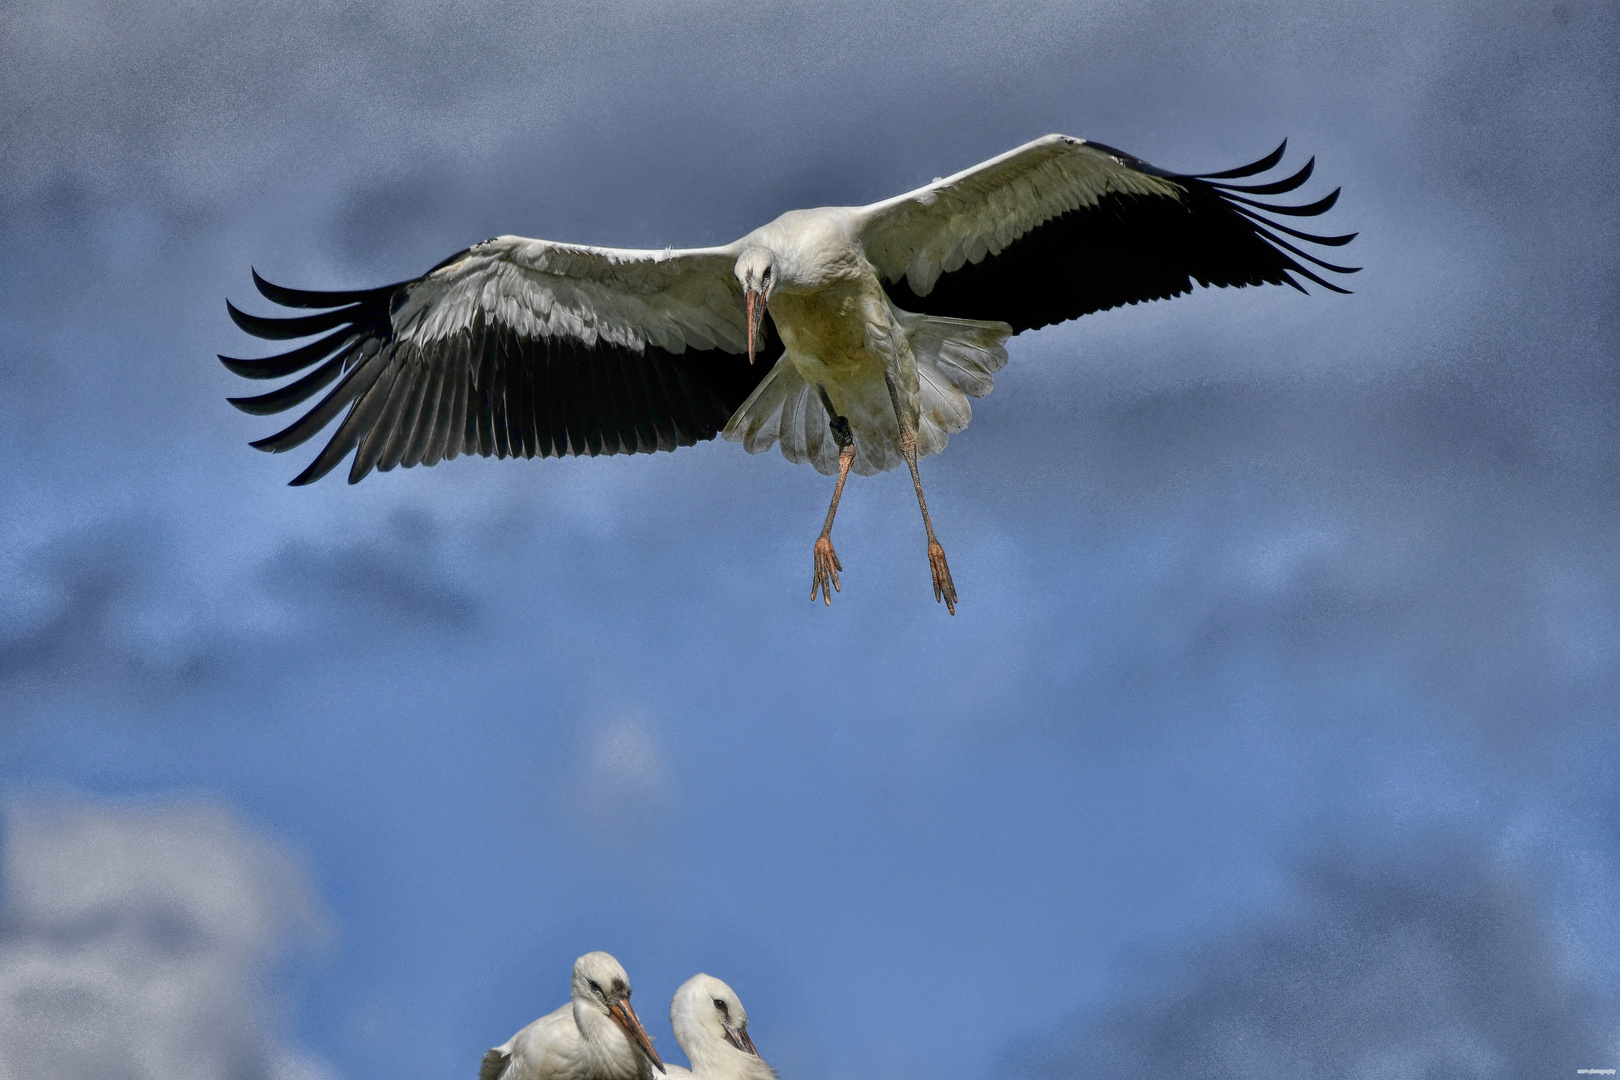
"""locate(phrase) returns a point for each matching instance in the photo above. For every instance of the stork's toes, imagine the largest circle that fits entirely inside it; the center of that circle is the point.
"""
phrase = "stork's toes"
(827, 567)
(944, 588)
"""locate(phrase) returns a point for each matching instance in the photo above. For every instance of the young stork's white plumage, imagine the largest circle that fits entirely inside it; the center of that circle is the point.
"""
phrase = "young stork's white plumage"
(712, 1027)
(883, 321)
(596, 1036)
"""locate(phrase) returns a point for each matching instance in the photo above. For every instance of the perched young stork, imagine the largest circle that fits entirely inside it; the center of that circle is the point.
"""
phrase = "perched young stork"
(712, 1027)
(596, 1036)
(883, 321)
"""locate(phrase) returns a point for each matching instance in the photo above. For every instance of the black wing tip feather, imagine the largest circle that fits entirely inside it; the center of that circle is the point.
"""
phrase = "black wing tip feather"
(1280, 242)
(312, 298)
(1320, 206)
(313, 472)
(1235, 197)
(1275, 187)
(298, 326)
(268, 443)
(244, 368)
(1253, 168)
(297, 359)
(1255, 214)
(1315, 238)
(1316, 278)
(294, 393)
(352, 317)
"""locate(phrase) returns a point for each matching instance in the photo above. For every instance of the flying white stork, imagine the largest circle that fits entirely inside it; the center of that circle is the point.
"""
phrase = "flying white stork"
(712, 1027)
(884, 320)
(597, 1036)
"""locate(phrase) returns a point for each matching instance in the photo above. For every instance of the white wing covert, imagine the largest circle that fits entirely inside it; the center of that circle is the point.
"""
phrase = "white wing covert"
(633, 298)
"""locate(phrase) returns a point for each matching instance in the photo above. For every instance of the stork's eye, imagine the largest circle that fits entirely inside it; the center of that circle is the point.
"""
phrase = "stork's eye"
(595, 989)
(724, 1011)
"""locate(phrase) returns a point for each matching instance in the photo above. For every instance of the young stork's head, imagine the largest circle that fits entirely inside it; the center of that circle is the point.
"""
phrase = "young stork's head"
(601, 985)
(712, 1027)
(758, 273)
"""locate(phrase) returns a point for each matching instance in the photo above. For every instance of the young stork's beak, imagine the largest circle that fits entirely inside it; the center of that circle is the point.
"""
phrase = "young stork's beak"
(626, 1018)
(756, 316)
(738, 1037)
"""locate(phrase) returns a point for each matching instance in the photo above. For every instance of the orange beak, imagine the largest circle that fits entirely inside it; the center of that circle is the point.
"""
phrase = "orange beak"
(626, 1018)
(756, 316)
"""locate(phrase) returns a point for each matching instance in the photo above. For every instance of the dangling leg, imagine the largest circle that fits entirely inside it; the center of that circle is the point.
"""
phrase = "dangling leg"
(944, 588)
(827, 564)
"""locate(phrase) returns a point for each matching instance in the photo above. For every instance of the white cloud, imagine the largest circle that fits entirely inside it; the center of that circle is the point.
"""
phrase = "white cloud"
(621, 788)
(136, 940)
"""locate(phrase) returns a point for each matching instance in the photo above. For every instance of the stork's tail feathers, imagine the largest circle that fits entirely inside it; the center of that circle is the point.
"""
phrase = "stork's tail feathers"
(493, 1067)
(784, 408)
(956, 359)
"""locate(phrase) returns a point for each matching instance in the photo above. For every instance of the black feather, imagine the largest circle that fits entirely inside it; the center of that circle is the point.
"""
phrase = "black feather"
(1280, 242)
(427, 409)
(500, 434)
(352, 429)
(433, 451)
(293, 393)
(1318, 279)
(1277, 187)
(455, 436)
(398, 419)
(551, 413)
(1320, 206)
(285, 329)
(1254, 168)
(304, 298)
(356, 382)
(370, 437)
(274, 367)
(1325, 241)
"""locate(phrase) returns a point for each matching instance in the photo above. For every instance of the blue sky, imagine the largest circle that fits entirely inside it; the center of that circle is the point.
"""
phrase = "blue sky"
(1275, 728)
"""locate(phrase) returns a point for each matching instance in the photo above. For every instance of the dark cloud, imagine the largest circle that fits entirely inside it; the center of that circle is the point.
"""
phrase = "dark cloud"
(1480, 577)
(114, 613)
(395, 580)
(74, 623)
(1436, 962)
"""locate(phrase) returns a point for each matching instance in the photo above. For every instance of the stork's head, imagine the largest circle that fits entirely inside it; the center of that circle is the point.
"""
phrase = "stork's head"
(601, 985)
(707, 1015)
(759, 274)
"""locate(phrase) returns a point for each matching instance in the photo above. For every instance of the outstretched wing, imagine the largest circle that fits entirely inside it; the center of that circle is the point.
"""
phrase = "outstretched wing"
(1061, 227)
(512, 348)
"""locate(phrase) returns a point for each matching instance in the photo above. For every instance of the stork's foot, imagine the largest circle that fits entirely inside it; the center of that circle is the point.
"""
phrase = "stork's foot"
(827, 568)
(944, 588)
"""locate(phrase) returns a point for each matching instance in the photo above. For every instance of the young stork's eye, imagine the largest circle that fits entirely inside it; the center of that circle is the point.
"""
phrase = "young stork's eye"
(724, 1011)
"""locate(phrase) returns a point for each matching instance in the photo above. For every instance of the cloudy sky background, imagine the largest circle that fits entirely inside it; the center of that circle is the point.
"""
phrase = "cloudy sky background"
(1275, 734)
